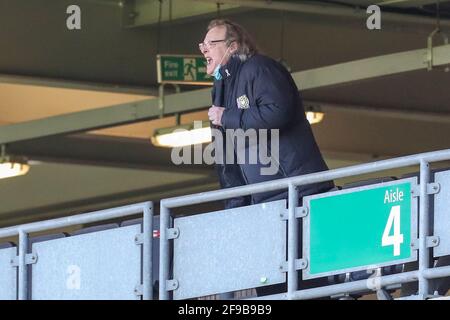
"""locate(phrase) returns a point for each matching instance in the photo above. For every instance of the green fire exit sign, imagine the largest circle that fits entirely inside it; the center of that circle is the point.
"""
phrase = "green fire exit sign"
(187, 69)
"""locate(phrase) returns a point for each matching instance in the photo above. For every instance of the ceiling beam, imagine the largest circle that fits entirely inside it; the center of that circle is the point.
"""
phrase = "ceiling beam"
(375, 67)
(138, 13)
(330, 10)
(93, 149)
(198, 99)
(120, 152)
(406, 3)
(104, 117)
(386, 113)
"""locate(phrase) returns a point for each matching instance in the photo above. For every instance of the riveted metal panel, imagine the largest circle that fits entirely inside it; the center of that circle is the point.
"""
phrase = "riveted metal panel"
(230, 250)
(442, 214)
(8, 274)
(97, 265)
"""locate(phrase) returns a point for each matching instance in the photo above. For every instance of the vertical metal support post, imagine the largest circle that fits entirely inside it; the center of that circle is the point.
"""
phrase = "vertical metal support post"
(23, 245)
(161, 100)
(292, 241)
(164, 262)
(177, 88)
(147, 249)
(424, 260)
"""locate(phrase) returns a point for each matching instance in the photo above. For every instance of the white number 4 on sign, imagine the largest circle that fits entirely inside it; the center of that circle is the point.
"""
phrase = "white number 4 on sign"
(374, 21)
(397, 238)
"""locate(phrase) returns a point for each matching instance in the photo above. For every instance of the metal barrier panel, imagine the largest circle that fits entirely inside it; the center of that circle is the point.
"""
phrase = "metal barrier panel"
(360, 228)
(98, 265)
(8, 274)
(442, 214)
(230, 250)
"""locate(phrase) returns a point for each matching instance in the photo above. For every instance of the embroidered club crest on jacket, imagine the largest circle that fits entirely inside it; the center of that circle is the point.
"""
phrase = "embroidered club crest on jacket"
(242, 102)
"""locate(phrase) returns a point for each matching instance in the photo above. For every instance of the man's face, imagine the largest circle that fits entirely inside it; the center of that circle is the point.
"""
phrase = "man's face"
(216, 50)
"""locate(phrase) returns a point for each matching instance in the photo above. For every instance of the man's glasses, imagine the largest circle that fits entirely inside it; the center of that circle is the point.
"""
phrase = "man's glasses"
(209, 44)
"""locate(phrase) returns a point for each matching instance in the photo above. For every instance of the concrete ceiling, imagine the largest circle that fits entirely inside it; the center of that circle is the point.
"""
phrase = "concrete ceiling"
(47, 70)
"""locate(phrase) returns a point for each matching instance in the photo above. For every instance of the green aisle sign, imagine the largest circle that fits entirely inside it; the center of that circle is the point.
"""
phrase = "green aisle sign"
(360, 228)
(188, 69)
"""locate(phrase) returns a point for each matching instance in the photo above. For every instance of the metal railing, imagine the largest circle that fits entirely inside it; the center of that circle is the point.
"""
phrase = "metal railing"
(146, 208)
(422, 275)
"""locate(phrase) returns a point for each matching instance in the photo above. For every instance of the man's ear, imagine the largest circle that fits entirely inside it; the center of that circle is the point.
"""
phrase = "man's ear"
(233, 47)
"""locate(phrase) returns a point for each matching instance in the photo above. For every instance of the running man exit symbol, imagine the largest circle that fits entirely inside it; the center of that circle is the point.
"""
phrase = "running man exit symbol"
(190, 70)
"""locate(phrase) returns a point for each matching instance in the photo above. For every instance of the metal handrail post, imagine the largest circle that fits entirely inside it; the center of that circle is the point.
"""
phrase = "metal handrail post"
(23, 274)
(147, 252)
(424, 259)
(292, 240)
(164, 263)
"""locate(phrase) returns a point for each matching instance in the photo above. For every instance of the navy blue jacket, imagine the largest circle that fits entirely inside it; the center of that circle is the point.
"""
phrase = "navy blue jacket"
(269, 99)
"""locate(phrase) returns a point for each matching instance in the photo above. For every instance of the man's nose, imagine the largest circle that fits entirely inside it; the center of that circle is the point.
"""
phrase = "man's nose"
(203, 49)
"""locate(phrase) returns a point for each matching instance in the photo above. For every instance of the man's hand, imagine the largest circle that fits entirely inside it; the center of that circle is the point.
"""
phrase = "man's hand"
(215, 115)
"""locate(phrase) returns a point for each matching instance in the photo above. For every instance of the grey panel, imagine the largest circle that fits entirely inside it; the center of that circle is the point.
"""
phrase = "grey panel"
(8, 274)
(45, 237)
(95, 228)
(442, 214)
(97, 265)
(230, 250)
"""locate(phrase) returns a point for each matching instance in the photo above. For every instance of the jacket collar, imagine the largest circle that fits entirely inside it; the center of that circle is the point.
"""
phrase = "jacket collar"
(230, 68)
